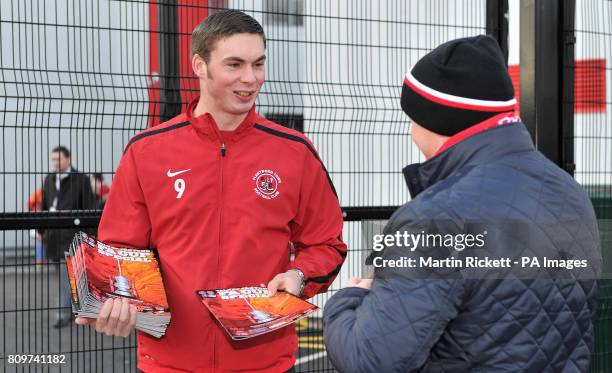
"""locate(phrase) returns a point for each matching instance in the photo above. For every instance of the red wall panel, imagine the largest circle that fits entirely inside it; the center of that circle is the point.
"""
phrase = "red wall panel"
(589, 85)
(190, 13)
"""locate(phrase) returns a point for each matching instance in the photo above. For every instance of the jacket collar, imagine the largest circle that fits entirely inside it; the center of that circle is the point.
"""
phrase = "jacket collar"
(206, 125)
(64, 175)
(482, 147)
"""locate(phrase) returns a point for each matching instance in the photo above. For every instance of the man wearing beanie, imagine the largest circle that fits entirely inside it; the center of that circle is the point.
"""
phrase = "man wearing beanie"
(477, 301)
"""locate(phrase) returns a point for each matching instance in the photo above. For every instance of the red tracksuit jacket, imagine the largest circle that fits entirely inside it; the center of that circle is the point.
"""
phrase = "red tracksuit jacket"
(222, 210)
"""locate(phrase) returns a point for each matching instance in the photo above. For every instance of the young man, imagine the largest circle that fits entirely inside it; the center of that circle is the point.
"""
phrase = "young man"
(224, 195)
(482, 171)
(63, 189)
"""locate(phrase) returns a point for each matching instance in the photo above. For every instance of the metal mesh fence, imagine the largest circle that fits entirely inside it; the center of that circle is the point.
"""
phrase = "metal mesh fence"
(73, 74)
(593, 145)
(86, 75)
(90, 74)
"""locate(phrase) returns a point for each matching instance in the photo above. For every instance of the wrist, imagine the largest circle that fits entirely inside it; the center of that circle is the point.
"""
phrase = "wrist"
(301, 280)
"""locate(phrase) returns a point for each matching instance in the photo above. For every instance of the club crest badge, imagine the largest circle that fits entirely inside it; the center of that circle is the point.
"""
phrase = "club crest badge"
(267, 184)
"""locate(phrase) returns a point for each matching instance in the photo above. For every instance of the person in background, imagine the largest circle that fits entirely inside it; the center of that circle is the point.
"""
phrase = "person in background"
(100, 189)
(64, 189)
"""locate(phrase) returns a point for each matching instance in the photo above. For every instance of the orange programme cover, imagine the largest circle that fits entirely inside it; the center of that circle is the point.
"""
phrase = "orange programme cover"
(248, 311)
(97, 271)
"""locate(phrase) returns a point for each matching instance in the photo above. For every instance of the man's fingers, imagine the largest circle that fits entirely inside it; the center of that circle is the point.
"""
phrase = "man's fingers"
(117, 317)
(133, 317)
(131, 323)
(274, 284)
(365, 283)
(102, 320)
(84, 321)
(288, 281)
(124, 315)
(113, 319)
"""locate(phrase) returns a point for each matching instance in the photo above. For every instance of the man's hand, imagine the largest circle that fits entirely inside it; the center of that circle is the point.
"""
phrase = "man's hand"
(116, 318)
(290, 281)
(357, 282)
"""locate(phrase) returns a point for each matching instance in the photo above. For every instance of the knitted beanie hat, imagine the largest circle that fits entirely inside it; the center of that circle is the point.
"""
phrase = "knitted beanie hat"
(457, 85)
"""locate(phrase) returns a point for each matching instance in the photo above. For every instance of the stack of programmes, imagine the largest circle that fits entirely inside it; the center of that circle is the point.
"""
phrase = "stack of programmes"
(98, 272)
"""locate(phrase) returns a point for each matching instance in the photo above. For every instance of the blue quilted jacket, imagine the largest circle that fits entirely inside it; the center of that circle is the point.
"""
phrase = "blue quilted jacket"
(459, 324)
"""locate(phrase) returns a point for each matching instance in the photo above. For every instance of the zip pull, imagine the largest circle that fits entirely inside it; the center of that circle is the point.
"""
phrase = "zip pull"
(223, 150)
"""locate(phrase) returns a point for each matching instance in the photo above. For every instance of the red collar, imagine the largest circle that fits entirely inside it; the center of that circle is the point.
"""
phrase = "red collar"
(498, 120)
(206, 124)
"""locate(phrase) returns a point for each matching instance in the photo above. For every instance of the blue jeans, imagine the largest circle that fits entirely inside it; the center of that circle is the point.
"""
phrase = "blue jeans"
(40, 250)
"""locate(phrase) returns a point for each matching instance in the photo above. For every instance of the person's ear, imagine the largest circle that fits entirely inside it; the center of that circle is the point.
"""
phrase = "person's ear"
(199, 66)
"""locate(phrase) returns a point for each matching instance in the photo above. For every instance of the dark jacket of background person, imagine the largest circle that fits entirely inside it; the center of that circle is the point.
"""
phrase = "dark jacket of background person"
(74, 194)
(457, 324)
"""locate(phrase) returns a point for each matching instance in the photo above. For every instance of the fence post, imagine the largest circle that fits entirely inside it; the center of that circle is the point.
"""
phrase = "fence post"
(169, 82)
(567, 84)
(547, 76)
(497, 23)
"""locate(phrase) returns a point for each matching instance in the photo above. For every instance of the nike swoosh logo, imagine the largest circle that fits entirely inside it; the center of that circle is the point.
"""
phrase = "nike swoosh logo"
(173, 174)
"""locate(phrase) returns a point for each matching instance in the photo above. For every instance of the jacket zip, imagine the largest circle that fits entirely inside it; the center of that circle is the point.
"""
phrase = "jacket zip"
(219, 246)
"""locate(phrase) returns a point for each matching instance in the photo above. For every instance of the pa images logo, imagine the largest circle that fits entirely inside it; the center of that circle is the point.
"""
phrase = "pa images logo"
(267, 183)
